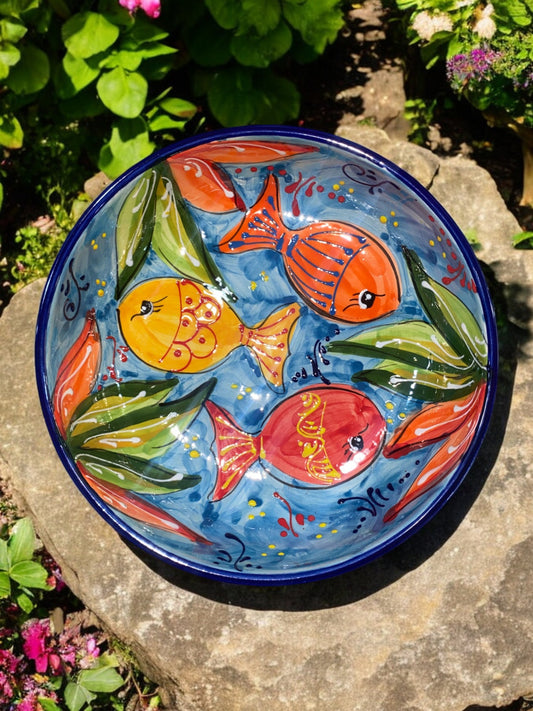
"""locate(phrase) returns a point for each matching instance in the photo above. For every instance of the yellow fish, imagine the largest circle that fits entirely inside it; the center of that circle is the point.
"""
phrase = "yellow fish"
(180, 326)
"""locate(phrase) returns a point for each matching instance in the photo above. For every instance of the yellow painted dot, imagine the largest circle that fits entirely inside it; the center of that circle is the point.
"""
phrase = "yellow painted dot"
(194, 454)
(318, 535)
(195, 437)
(248, 390)
(281, 553)
(444, 255)
(187, 446)
(240, 397)
(95, 246)
(431, 243)
(389, 405)
(234, 386)
(251, 517)
(336, 186)
(104, 234)
(262, 513)
(264, 555)
(98, 281)
(322, 525)
(100, 292)
(341, 182)
(253, 285)
(350, 190)
(395, 224)
(402, 415)
(264, 276)
(252, 502)
(383, 219)
(334, 530)
(271, 546)
(390, 420)
(392, 213)
(104, 283)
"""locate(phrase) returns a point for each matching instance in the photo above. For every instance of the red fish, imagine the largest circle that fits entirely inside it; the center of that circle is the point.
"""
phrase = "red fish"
(340, 270)
(319, 437)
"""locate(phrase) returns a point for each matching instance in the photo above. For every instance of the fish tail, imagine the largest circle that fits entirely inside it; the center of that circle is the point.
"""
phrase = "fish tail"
(236, 451)
(270, 341)
(261, 227)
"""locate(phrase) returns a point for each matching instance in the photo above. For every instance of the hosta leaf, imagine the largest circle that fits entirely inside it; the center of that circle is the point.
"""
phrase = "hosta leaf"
(415, 343)
(448, 314)
(135, 225)
(414, 382)
(118, 400)
(135, 474)
(177, 239)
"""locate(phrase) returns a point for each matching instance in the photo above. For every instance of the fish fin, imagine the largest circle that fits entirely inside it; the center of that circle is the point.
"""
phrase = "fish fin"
(270, 340)
(236, 451)
(261, 227)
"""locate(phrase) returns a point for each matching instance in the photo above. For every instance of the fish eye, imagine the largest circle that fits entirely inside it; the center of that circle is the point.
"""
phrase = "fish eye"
(366, 299)
(356, 443)
(146, 308)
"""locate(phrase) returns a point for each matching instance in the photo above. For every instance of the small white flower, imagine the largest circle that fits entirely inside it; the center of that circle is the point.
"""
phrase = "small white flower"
(485, 27)
(426, 25)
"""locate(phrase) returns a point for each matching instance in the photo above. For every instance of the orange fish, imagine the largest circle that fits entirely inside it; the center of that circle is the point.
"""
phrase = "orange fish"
(319, 437)
(340, 270)
(182, 327)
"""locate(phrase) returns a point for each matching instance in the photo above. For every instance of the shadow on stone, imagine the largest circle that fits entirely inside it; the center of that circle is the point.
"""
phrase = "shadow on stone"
(358, 584)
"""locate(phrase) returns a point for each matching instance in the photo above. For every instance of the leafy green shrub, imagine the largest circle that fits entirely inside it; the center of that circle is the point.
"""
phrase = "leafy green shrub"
(487, 51)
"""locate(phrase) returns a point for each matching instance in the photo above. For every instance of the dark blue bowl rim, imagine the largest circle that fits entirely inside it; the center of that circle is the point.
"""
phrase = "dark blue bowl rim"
(294, 576)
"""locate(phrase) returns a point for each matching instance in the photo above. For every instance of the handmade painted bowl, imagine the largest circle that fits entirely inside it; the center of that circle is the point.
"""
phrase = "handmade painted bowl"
(266, 355)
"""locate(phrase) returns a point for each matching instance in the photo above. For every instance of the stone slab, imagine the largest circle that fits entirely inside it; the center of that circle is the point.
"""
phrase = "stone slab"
(442, 622)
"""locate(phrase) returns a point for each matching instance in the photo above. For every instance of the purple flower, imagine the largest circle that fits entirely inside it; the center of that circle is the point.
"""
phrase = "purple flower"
(474, 66)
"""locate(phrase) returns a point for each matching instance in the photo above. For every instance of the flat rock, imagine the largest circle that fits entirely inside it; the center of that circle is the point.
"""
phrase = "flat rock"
(442, 622)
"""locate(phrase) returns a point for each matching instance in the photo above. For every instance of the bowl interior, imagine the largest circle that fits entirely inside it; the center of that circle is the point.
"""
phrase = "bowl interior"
(266, 355)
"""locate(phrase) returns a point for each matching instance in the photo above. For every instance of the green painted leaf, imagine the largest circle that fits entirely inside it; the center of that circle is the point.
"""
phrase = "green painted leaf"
(21, 542)
(415, 343)
(260, 50)
(146, 432)
(102, 680)
(76, 696)
(135, 474)
(31, 73)
(5, 585)
(118, 400)
(130, 142)
(124, 93)
(413, 382)
(29, 574)
(11, 133)
(448, 314)
(176, 237)
(88, 33)
(135, 224)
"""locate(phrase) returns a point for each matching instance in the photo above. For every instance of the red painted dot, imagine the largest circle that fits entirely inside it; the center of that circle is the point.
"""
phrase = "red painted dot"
(201, 339)
(177, 353)
(300, 519)
(283, 534)
(185, 322)
(253, 169)
(270, 167)
(311, 517)
(283, 171)
(188, 300)
(448, 241)
(208, 314)
(331, 196)
(341, 198)
(320, 188)
(431, 218)
(454, 256)
(238, 170)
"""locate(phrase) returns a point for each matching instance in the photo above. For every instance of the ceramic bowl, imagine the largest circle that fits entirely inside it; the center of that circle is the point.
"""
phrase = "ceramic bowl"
(266, 355)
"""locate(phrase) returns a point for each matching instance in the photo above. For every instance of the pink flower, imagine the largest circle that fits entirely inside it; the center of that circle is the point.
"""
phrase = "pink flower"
(151, 7)
(34, 635)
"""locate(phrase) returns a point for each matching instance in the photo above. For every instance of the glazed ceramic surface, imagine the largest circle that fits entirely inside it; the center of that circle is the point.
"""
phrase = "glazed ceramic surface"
(266, 355)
